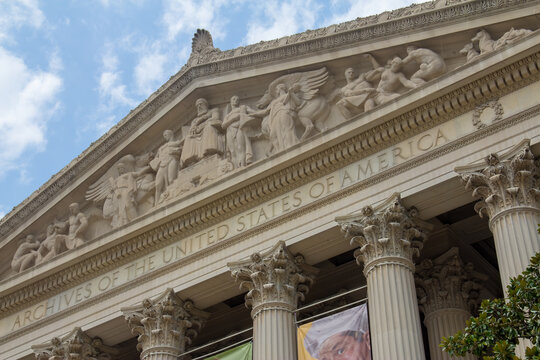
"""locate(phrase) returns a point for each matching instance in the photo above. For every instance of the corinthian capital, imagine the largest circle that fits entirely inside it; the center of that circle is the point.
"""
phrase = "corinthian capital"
(447, 283)
(387, 231)
(75, 345)
(274, 279)
(166, 323)
(504, 181)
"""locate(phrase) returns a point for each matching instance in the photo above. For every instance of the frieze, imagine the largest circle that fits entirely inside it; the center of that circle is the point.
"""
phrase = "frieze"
(327, 38)
(339, 155)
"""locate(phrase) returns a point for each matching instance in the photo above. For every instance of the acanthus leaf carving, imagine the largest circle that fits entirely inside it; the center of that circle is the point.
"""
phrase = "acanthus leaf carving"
(75, 345)
(166, 322)
(387, 231)
(275, 278)
(446, 282)
(504, 182)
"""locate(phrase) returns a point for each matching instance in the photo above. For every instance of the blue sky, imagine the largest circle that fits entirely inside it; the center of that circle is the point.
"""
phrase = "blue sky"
(69, 70)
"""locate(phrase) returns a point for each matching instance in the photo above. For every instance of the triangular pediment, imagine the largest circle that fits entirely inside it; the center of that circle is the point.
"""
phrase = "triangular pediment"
(272, 114)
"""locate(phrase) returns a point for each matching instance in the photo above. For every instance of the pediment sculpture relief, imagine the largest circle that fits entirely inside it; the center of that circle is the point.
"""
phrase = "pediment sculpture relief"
(123, 188)
(482, 43)
(59, 237)
(384, 82)
(223, 138)
(290, 99)
(166, 164)
(205, 136)
(242, 123)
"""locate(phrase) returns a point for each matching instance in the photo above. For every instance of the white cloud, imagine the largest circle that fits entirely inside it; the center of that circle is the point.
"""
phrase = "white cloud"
(18, 13)
(28, 100)
(185, 16)
(111, 88)
(364, 8)
(274, 19)
(149, 72)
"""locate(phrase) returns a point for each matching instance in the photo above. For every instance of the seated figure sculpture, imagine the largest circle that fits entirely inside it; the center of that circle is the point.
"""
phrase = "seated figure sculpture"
(356, 95)
(26, 254)
(204, 137)
(53, 245)
(431, 64)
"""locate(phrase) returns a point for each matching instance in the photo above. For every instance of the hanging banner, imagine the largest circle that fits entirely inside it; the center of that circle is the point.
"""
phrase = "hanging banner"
(342, 336)
(242, 352)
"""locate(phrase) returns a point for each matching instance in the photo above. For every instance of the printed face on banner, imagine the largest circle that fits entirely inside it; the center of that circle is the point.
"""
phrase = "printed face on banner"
(342, 336)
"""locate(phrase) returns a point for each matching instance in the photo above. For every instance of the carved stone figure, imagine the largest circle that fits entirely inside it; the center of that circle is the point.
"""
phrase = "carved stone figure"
(470, 52)
(118, 187)
(357, 95)
(77, 223)
(431, 64)
(165, 163)
(26, 254)
(237, 124)
(304, 104)
(53, 245)
(486, 44)
(204, 137)
(391, 79)
(282, 113)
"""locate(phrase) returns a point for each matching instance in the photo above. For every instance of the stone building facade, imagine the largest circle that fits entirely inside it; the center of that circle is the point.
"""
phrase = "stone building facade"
(395, 155)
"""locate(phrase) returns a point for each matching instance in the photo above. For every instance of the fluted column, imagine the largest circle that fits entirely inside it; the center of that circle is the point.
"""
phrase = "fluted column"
(508, 188)
(275, 281)
(75, 345)
(164, 325)
(447, 292)
(389, 236)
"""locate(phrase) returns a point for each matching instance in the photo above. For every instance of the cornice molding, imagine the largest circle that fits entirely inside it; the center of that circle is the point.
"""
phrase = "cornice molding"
(449, 105)
(332, 37)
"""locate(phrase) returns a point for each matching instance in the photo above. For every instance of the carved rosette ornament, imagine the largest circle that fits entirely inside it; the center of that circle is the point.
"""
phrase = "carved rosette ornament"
(508, 188)
(75, 345)
(389, 237)
(275, 281)
(164, 325)
(448, 292)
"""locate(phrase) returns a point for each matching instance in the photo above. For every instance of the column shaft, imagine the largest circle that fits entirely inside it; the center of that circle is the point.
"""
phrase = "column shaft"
(389, 237)
(444, 323)
(393, 312)
(274, 335)
(275, 281)
(516, 240)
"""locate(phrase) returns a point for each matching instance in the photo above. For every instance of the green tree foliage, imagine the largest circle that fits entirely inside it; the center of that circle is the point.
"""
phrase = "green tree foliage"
(493, 335)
